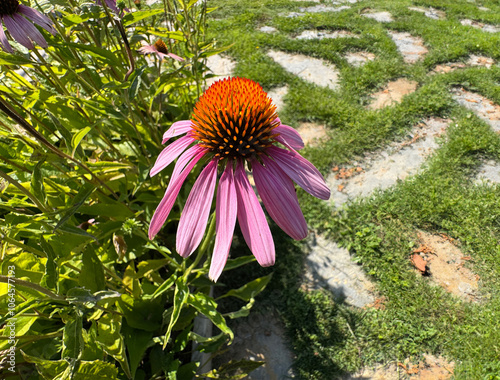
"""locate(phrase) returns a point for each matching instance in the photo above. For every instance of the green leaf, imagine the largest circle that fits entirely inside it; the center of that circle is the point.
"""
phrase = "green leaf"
(115, 210)
(11, 59)
(73, 338)
(109, 337)
(233, 370)
(96, 52)
(51, 275)
(238, 262)
(92, 274)
(132, 18)
(21, 326)
(250, 290)
(37, 186)
(78, 201)
(141, 314)
(49, 369)
(96, 369)
(181, 296)
(208, 307)
(77, 138)
(165, 286)
(137, 342)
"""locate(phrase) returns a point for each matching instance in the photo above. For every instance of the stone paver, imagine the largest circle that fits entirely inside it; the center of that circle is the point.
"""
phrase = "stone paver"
(430, 12)
(385, 169)
(412, 48)
(267, 29)
(260, 338)
(328, 265)
(479, 25)
(359, 58)
(310, 69)
(393, 93)
(220, 66)
(480, 105)
(379, 16)
(319, 35)
(488, 172)
(479, 60)
(324, 8)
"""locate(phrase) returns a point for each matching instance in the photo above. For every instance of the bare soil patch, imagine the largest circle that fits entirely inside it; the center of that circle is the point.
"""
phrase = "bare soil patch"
(312, 134)
(446, 265)
(393, 93)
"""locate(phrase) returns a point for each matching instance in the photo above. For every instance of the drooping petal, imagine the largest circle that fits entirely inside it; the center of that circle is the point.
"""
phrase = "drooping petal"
(147, 49)
(30, 30)
(170, 153)
(252, 220)
(176, 57)
(276, 170)
(281, 205)
(3, 39)
(17, 32)
(178, 128)
(301, 172)
(184, 159)
(194, 217)
(37, 18)
(225, 218)
(289, 136)
(166, 204)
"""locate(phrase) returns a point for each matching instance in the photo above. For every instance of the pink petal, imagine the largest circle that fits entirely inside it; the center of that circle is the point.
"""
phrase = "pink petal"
(281, 205)
(147, 49)
(252, 220)
(194, 217)
(276, 170)
(17, 32)
(178, 128)
(184, 159)
(225, 214)
(166, 204)
(289, 136)
(170, 153)
(37, 18)
(30, 30)
(301, 171)
(176, 57)
(3, 40)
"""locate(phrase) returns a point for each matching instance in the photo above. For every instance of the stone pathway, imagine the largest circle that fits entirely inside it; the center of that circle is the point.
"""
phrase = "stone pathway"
(486, 109)
(479, 25)
(358, 59)
(319, 35)
(310, 69)
(383, 170)
(329, 266)
(379, 16)
(411, 48)
(435, 14)
(489, 172)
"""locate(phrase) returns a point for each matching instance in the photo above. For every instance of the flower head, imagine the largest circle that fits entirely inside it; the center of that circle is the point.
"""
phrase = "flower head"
(111, 4)
(16, 18)
(235, 124)
(160, 49)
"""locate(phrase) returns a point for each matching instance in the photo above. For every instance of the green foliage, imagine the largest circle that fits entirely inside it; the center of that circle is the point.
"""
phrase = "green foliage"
(81, 124)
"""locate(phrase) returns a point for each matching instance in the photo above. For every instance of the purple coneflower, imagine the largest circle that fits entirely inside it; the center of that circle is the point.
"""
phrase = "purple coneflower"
(21, 29)
(160, 49)
(235, 123)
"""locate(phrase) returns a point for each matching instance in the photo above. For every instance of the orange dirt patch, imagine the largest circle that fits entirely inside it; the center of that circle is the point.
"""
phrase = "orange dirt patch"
(446, 265)
(312, 133)
(393, 93)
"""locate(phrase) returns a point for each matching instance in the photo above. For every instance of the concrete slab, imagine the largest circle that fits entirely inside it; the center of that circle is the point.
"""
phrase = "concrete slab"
(359, 58)
(220, 66)
(379, 16)
(392, 93)
(277, 94)
(319, 35)
(479, 25)
(488, 172)
(310, 69)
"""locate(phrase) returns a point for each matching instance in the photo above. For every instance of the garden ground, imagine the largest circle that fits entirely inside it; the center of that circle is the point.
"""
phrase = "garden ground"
(398, 102)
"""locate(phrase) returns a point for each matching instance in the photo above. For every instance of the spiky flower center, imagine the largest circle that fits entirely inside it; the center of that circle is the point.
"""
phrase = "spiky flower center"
(235, 118)
(8, 7)
(160, 46)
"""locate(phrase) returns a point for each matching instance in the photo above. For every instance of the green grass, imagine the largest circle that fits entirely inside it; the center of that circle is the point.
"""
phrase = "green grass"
(328, 336)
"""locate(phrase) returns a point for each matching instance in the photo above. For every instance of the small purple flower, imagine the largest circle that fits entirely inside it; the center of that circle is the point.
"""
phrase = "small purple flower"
(111, 4)
(16, 18)
(160, 49)
(234, 124)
